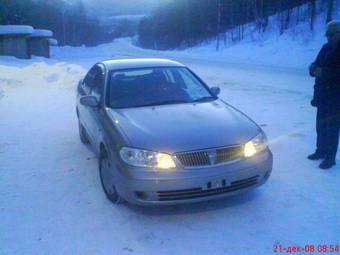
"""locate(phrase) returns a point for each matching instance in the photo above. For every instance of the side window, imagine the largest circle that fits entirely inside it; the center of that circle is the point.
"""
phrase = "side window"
(94, 82)
(88, 81)
(98, 85)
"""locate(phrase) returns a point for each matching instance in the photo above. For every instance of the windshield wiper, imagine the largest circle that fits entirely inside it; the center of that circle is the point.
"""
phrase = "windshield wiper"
(163, 103)
(204, 99)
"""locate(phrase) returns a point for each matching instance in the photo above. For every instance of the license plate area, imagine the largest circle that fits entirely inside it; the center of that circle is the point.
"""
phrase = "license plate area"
(216, 184)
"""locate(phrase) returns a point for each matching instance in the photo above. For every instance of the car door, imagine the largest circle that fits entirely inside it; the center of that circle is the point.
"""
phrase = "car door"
(85, 112)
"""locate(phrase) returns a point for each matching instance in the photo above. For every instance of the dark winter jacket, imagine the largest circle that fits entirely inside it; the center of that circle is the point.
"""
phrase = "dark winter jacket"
(327, 87)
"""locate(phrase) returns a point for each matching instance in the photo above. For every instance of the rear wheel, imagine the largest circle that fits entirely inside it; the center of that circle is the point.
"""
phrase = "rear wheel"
(107, 180)
(82, 134)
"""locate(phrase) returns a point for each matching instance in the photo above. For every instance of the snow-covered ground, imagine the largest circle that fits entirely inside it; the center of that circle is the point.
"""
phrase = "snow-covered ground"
(50, 193)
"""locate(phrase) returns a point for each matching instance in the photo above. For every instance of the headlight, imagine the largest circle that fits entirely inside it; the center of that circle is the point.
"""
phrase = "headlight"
(144, 158)
(255, 145)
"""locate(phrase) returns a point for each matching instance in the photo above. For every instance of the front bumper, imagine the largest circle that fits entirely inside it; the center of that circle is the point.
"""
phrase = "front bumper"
(194, 185)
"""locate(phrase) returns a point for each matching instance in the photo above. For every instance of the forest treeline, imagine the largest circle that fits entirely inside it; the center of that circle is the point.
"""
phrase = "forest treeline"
(68, 20)
(174, 24)
(186, 23)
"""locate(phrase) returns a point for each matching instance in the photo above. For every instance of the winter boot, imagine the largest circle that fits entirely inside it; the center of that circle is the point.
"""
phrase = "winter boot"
(327, 163)
(316, 156)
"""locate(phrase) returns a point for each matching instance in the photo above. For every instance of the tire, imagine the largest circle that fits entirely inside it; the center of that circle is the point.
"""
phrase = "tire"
(107, 180)
(82, 134)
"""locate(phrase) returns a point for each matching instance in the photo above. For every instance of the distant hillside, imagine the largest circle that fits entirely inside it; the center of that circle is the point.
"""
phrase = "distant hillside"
(186, 23)
(297, 47)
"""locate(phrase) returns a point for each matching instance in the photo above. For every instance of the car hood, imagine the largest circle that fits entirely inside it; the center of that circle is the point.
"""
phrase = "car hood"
(184, 127)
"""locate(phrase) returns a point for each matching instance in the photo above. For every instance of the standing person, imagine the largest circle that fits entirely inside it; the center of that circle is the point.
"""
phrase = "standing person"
(326, 70)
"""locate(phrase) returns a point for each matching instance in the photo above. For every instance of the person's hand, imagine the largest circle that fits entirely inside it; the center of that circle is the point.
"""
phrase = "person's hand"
(313, 103)
(312, 68)
(318, 72)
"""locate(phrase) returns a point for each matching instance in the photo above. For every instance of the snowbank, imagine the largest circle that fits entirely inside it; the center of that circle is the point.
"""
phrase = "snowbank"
(37, 74)
(15, 29)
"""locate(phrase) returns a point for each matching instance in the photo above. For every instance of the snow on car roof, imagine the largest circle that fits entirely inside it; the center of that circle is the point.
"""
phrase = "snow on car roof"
(42, 33)
(15, 29)
(139, 63)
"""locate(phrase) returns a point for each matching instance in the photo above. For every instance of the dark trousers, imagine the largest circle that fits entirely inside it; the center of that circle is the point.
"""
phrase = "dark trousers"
(327, 129)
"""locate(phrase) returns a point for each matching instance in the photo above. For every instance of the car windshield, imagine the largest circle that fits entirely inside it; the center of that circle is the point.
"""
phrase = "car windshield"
(155, 86)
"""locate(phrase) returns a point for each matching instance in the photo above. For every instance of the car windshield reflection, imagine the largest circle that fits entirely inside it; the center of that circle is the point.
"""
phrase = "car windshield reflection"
(155, 86)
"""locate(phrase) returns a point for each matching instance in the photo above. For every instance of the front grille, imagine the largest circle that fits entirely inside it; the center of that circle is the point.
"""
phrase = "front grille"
(209, 157)
(228, 154)
(170, 195)
(200, 158)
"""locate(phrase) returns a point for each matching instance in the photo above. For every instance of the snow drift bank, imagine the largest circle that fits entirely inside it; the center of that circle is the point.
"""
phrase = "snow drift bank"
(37, 74)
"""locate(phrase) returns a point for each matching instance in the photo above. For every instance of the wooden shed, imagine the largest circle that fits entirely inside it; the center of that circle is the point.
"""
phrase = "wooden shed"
(14, 41)
(39, 42)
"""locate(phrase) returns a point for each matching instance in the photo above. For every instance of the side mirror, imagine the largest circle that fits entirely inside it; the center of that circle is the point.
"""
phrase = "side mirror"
(90, 101)
(215, 90)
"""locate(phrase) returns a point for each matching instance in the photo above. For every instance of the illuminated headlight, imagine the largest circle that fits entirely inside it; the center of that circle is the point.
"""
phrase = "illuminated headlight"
(144, 158)
(255, 145)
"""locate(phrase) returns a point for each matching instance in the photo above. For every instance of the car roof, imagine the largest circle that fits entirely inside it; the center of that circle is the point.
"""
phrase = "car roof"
(129, 63)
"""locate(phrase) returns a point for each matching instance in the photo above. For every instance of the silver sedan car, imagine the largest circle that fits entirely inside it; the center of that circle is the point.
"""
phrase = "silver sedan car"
(162, 136)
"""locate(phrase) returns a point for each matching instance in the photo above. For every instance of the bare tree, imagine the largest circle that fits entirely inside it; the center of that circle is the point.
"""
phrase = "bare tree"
(329, 11)
(219, 11)
(312, 14)
(298, 15)
(287, 20)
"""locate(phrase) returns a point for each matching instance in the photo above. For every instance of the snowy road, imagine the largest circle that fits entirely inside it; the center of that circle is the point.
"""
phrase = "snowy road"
(51, 200)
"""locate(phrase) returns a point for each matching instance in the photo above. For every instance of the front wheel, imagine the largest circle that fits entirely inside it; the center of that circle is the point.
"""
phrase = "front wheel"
(107, 181)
